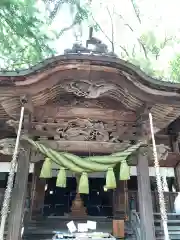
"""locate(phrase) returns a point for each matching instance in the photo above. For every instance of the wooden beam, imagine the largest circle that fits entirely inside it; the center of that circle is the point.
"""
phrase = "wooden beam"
(119, 200)
(145, 199)
(56, 112)
(177, 177)
(175, 148)
(84, 146)
(26, 100)
(171, 160)
(52, 134)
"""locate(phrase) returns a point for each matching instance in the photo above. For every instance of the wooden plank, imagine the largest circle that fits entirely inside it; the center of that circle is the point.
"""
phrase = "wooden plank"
(84, 146)
(18, 197)
(56, 112)
(145, 200)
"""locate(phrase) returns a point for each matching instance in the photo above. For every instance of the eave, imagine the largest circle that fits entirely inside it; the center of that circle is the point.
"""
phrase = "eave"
(106, 77)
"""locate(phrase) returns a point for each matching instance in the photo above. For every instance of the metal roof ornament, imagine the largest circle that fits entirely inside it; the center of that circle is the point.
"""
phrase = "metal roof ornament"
(93, 46)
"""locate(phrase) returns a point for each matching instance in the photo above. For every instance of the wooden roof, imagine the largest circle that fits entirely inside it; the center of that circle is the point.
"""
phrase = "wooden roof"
(84, 91)
(91, 77)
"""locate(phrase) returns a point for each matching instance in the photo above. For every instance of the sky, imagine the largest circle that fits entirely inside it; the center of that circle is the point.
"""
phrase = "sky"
(161, 17)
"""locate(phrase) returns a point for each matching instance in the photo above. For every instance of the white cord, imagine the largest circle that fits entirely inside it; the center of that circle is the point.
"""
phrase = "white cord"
(7, 195)
(159, 182)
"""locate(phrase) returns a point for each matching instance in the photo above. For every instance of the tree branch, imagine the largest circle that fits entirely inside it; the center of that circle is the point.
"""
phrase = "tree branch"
(124, 49)
(166, 40)
(133, 51)
(136, 10)
(112, 30)
(100, 28)
(138, 39)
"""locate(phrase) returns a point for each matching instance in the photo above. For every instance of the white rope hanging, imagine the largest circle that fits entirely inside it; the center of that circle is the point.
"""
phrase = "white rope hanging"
(159, 182)
(7, 195)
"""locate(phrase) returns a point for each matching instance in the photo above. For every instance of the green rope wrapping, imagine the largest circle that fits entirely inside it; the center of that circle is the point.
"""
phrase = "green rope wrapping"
(46, 170)
(61, 178)
(110, 179)
(124, 171)
(85, 165)
(84, 184)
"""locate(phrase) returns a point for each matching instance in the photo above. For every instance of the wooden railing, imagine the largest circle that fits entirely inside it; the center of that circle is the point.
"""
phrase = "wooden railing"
(169, 199)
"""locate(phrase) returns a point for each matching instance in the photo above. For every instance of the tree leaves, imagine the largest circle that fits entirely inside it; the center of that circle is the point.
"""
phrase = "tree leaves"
(175, 68)
(25, 38)
(22, 40)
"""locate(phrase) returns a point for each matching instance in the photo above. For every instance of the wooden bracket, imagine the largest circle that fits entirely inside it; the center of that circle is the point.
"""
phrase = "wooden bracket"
(26, 101)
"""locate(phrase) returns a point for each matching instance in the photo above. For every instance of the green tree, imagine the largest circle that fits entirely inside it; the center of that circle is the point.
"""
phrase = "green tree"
(175, 68)
(147, 48)
(80, 11)
(24, 40)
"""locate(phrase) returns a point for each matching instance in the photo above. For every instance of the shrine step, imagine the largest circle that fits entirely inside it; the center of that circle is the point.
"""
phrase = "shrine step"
(173, 226)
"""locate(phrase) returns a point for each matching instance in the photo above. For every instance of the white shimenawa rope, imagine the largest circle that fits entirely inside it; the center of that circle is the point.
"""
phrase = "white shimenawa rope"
(7, 195)
(159, 183)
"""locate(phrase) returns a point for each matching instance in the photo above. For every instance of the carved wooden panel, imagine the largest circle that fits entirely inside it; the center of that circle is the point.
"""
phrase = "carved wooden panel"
(85, 130)
(70, 100)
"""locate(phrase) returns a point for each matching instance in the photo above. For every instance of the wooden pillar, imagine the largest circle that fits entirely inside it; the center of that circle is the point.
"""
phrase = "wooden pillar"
(175, 148)
(18, 197)
(119, 208)
(37, 192)
(177, 176)
(145, 199)
(120, 200)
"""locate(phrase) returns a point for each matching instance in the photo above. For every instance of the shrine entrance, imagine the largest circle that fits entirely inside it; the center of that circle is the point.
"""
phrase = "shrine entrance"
(59, 201)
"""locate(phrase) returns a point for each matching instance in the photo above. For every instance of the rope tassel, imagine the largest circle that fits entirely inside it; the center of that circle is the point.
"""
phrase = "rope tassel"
(110, 179)
(46, 171)
(84, 184)
(124, 171)
(61, 178)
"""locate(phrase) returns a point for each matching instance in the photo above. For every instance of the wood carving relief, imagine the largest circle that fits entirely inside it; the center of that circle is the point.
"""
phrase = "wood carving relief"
(77, 130)
(87, 89)
(70, 100)
(81, 130)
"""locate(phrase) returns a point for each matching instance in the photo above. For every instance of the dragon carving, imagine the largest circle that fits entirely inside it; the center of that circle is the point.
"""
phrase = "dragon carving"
(83, 130)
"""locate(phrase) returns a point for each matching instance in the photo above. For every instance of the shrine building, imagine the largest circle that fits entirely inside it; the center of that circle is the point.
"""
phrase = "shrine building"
(90, 104)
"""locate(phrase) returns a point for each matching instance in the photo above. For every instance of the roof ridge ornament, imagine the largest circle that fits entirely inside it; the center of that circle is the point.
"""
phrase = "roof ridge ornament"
(93, 46)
